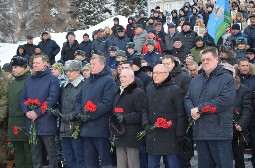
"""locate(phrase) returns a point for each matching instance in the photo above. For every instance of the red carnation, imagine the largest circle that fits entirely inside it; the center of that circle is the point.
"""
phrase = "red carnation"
(118, 110)
(15, 130)
(160, 122)
(90, 106)
(208, 108)
(44, 107)
(236, 109)
(213, 109)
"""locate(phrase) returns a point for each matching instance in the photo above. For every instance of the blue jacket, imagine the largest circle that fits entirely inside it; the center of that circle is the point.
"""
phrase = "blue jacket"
(111, 62)
(153, 58)
(101, 44)
(100, 89)
(218, 90)
(45, 87)
(86, 46)
(120, 42)
(240, 53)
(50, 48)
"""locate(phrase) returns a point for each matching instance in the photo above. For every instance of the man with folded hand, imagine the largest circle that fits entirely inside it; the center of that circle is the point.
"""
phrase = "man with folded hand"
(128, 106)
(99, 89)
(163, 101)
(72, 148)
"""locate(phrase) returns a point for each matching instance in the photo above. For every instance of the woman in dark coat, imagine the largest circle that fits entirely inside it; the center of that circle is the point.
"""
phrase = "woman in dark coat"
(128, 106)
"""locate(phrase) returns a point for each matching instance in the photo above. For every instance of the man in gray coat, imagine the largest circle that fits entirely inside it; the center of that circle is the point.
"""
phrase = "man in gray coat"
(139, 38)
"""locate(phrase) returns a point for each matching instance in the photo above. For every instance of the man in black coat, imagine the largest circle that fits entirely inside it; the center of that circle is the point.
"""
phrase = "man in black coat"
(163, 101)
(127, 107)
(181, 78)
(29, 47)
(69, 47)
(209, 102)
(187, 36)
(146, 79)
(179, 50)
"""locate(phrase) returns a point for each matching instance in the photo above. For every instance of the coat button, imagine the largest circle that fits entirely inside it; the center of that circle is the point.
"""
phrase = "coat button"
(153, 113)
(154, 139)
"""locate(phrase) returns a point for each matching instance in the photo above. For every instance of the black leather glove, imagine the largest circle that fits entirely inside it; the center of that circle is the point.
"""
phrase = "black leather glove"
(147, 128)
(82, 118)
(180, 139)
(67, 117)
(55, 113)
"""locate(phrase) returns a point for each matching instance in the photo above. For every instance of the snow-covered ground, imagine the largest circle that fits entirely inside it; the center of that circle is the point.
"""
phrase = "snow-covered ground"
(7, 50)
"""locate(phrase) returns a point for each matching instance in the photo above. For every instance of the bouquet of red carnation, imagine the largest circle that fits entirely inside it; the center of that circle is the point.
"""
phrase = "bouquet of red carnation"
(89, 107)
(45, 108)
(160, 123)
(119, 114)
(205, 109)
(32, 105)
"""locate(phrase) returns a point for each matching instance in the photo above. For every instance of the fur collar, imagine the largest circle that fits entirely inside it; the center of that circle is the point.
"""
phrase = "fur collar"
(75, 82)
(129, 89)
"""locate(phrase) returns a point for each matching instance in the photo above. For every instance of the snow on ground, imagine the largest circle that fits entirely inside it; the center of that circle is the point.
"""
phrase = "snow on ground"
(7, 50)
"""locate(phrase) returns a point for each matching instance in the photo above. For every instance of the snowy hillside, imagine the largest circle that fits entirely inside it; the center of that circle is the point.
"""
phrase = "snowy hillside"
(7, 50)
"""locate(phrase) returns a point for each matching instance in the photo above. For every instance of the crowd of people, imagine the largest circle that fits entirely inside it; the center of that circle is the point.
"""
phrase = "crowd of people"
(132, 95)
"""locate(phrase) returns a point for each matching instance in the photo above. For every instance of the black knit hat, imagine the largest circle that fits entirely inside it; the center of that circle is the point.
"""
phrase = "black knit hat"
(136, 60)
(116, 19)
(236, 27)
(152, 31)
(177, 39)
(120, 28)
(113, 48)
(19, 61)
(198, 38)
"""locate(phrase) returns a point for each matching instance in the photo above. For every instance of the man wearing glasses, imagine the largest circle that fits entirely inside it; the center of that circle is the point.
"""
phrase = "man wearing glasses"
(120, 40)
(163, 101)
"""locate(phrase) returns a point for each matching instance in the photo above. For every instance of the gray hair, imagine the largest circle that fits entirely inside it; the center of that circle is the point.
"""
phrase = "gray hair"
(130, 72)
(193, 63)
(101, 59)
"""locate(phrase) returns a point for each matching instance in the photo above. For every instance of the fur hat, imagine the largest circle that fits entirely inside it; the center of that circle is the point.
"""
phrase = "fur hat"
(120, 53)
(130, 45)
(59, 67)
(79, 52)
(86, 67)
(116, 127)
(241, 40)
(7, 67)
(113, 48)
(73, 65)
(150, 42)
(97, 52)
(19, 61)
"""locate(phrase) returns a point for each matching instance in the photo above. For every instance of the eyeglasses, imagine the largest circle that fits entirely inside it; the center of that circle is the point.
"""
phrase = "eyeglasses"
(158, 73)
(120, 31)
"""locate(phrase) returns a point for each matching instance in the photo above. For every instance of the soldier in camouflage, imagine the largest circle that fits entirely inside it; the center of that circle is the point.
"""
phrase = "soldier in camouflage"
(3, 114)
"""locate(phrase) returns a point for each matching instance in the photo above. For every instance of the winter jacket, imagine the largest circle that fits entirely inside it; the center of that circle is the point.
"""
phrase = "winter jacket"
(196, 53)
(69, 93)
(142, 21)
(180, 78)
(161, 35)
(250, 31)
(130, 56)
(86, 46)
(104, 86)
(67, 52)
(188, 38)
(111, 62)
(130, 31)
(146, 79)
(120, 42)
(180, 52)
(169, 40)
(45, 87)
(218, 90)
(101, 44)
(153, 58)
(131, 100)
(50, 48)
(139, 39)
(15, 115)
(24, 54)
(243, 109)
(163, 101)
(30, 49)
(240, 53)
(158, 45)
(149, 26)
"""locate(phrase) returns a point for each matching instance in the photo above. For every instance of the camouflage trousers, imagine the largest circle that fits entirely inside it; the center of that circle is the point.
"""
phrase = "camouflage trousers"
(3, 146)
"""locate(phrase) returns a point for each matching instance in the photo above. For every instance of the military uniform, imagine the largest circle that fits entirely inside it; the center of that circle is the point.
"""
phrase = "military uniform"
(3, 113)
